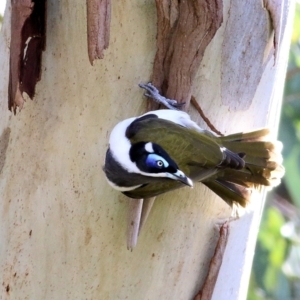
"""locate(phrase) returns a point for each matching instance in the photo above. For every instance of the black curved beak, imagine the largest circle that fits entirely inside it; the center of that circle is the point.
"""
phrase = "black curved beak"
(180, 176)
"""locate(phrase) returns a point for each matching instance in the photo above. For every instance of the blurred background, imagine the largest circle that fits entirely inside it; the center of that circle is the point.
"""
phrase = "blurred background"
(276, 266)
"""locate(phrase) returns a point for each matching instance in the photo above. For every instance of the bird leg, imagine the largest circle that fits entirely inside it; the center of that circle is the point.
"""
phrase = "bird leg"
(152, 92)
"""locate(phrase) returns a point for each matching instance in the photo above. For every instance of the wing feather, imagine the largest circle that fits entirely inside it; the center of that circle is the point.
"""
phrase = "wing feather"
(189, 148)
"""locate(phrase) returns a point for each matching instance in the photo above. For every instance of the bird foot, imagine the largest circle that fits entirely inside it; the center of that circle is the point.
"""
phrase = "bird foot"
(152, 92)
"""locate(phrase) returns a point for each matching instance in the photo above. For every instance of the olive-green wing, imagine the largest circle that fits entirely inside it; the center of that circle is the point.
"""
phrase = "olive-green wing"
(194, 152)
(155, 187)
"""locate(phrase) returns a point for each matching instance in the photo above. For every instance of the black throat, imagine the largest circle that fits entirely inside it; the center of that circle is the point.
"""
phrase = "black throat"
(119, 176)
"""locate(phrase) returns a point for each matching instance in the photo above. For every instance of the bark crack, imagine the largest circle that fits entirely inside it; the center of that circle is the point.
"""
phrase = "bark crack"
(98, 27)
(28, 41)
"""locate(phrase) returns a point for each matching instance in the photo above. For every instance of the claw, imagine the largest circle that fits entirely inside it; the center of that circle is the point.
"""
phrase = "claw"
(179, 104)
(152, 92)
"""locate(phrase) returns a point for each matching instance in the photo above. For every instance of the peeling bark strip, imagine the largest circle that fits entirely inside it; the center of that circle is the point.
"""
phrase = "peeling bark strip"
(275, 9)
(215, 264)
(205, 119)
(28, 25)
(98, 27)
(184, 30)
(135, 211)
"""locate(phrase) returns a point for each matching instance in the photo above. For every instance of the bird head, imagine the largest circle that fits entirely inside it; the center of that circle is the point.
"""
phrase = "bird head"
(152, 160)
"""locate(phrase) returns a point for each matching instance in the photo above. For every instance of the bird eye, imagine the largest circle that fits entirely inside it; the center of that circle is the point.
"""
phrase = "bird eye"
(160, 163)
(156, 162)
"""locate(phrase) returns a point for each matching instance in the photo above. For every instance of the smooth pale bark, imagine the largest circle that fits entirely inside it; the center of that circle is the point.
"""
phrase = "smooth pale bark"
(62, 227)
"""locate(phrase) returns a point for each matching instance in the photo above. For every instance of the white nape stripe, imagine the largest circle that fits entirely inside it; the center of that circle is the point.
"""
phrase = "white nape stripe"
(162, 174)
(123, 188)
(149, 147)
(168, 175)
(120, 146)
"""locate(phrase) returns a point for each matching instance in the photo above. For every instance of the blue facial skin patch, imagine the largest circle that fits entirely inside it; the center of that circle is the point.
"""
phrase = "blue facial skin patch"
(156, 161)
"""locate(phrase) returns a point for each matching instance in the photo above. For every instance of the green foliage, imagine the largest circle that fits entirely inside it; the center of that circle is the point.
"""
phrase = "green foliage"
(276, 266)
(273, 243)
(267, 279)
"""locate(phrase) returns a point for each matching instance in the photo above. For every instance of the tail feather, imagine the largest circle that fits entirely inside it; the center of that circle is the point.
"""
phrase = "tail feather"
(257, 135)
(231, 193)
(263, 166)
(247, 177)
(258, 149)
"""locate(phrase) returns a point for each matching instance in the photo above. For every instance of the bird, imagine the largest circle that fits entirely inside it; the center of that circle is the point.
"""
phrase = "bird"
(164, 150)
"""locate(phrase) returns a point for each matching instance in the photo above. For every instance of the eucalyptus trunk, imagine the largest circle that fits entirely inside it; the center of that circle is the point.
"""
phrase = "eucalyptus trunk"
(63, 228)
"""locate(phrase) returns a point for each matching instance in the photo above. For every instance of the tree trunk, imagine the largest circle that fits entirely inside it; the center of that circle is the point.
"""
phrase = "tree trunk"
(63, 228)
